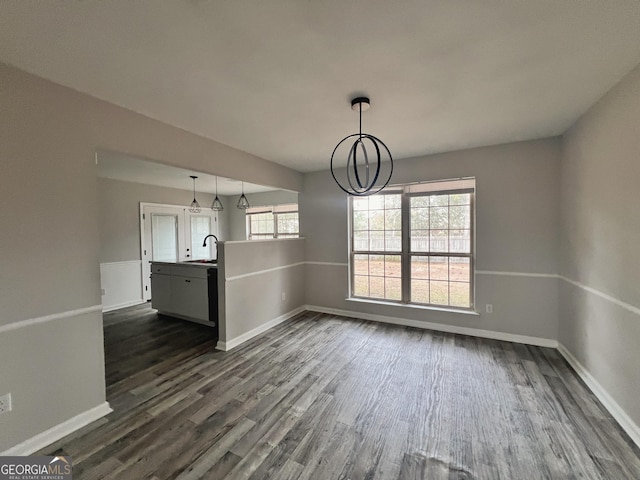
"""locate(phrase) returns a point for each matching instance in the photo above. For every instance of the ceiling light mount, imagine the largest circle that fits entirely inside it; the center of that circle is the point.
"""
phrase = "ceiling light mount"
(369, 163)
(360, 104)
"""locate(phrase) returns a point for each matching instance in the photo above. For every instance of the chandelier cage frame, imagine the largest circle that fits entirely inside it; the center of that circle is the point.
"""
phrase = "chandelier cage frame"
(195, 206)
(360, 180)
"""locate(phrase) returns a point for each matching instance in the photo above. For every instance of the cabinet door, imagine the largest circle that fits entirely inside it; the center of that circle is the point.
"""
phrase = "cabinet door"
(161, 292)
(199, 296)
(189, 297)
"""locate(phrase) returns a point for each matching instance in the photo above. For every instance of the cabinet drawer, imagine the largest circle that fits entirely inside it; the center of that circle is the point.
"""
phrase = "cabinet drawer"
(162, 269)
(189, 272)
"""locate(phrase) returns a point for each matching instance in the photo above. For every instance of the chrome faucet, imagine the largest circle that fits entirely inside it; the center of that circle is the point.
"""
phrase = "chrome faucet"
(204, 243)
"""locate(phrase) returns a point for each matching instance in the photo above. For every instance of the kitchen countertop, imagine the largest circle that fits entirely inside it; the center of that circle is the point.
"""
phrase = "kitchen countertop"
(189, 264)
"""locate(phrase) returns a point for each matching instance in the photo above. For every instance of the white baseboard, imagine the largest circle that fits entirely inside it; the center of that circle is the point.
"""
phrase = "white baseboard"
(598, 390)
(111, 308)
(61, 430)
(440, 327)
(234, 342)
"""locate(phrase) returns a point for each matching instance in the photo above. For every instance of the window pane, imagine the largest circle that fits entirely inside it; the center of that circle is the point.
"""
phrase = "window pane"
(287, 223)
(360, 220)
(361, 241)
(392, 219)
(459, 295)
(392, 266)
(439, 240)
(361, 286)
(419, 218)
(420, 291)
(376, 287)
(460, 217)
(393, 241)
(439, 217)
(392, 288)
(376, 265)
(376, 219)
(417, 202)
(361, 264)
(376, 202)
(420, 240)
(438, 292)
(200, 228)
(439, 268)
(164, 233)
(261, 225)
(376, 241)
(383, 274)
(459, 269)
(420, 268)
(460, 199)
(438, 200)
(361, 203)
(460, 241)
(392, 201)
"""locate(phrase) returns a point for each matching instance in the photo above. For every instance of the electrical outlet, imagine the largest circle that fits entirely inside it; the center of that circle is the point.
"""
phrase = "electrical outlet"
(5, 403)
(284, 296)
(489, 308)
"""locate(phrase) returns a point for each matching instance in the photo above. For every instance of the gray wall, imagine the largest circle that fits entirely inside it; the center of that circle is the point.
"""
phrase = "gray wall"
(119, 215)
(600, 305)
(517, 214)
(252, 278)
(238, 218)
(50, 241)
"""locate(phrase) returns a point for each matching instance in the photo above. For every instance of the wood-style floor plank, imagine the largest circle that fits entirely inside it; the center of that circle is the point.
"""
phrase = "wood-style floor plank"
(326, 397)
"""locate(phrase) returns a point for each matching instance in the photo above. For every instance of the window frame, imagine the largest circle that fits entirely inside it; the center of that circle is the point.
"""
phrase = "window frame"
(407, 254)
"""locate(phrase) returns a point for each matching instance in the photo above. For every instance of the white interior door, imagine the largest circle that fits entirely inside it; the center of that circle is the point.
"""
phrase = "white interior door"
(170, 233)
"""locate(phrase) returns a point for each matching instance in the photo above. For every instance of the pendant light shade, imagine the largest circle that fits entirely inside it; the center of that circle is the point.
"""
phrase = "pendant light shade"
(369, 164)
(195, 206)
(243, 203)
(217, 204)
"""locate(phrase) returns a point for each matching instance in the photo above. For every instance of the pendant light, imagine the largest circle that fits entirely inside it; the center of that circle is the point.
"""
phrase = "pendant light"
(364, 165)
(217, 204)
(243, 203)
(195, 206)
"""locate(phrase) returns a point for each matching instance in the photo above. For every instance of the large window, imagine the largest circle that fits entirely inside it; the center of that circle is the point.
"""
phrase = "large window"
(414, 244)
(278, 221)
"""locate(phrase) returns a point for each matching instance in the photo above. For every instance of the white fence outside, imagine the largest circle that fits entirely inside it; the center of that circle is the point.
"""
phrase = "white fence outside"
(418, 244)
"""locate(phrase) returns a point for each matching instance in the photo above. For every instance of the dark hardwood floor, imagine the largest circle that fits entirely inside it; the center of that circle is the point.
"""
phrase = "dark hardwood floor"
(324, 397)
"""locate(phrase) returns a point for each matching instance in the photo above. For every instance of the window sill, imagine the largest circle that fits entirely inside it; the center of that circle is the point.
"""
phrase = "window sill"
(413, 306)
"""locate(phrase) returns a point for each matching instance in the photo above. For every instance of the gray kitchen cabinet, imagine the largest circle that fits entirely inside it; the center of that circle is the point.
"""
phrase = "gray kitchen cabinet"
(182, 290)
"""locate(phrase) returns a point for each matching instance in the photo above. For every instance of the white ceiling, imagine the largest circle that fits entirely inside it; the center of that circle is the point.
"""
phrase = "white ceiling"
(274, 78)
(118, 166)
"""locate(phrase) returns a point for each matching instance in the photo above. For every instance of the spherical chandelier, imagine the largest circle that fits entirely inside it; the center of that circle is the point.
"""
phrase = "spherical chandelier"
(367, 171)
